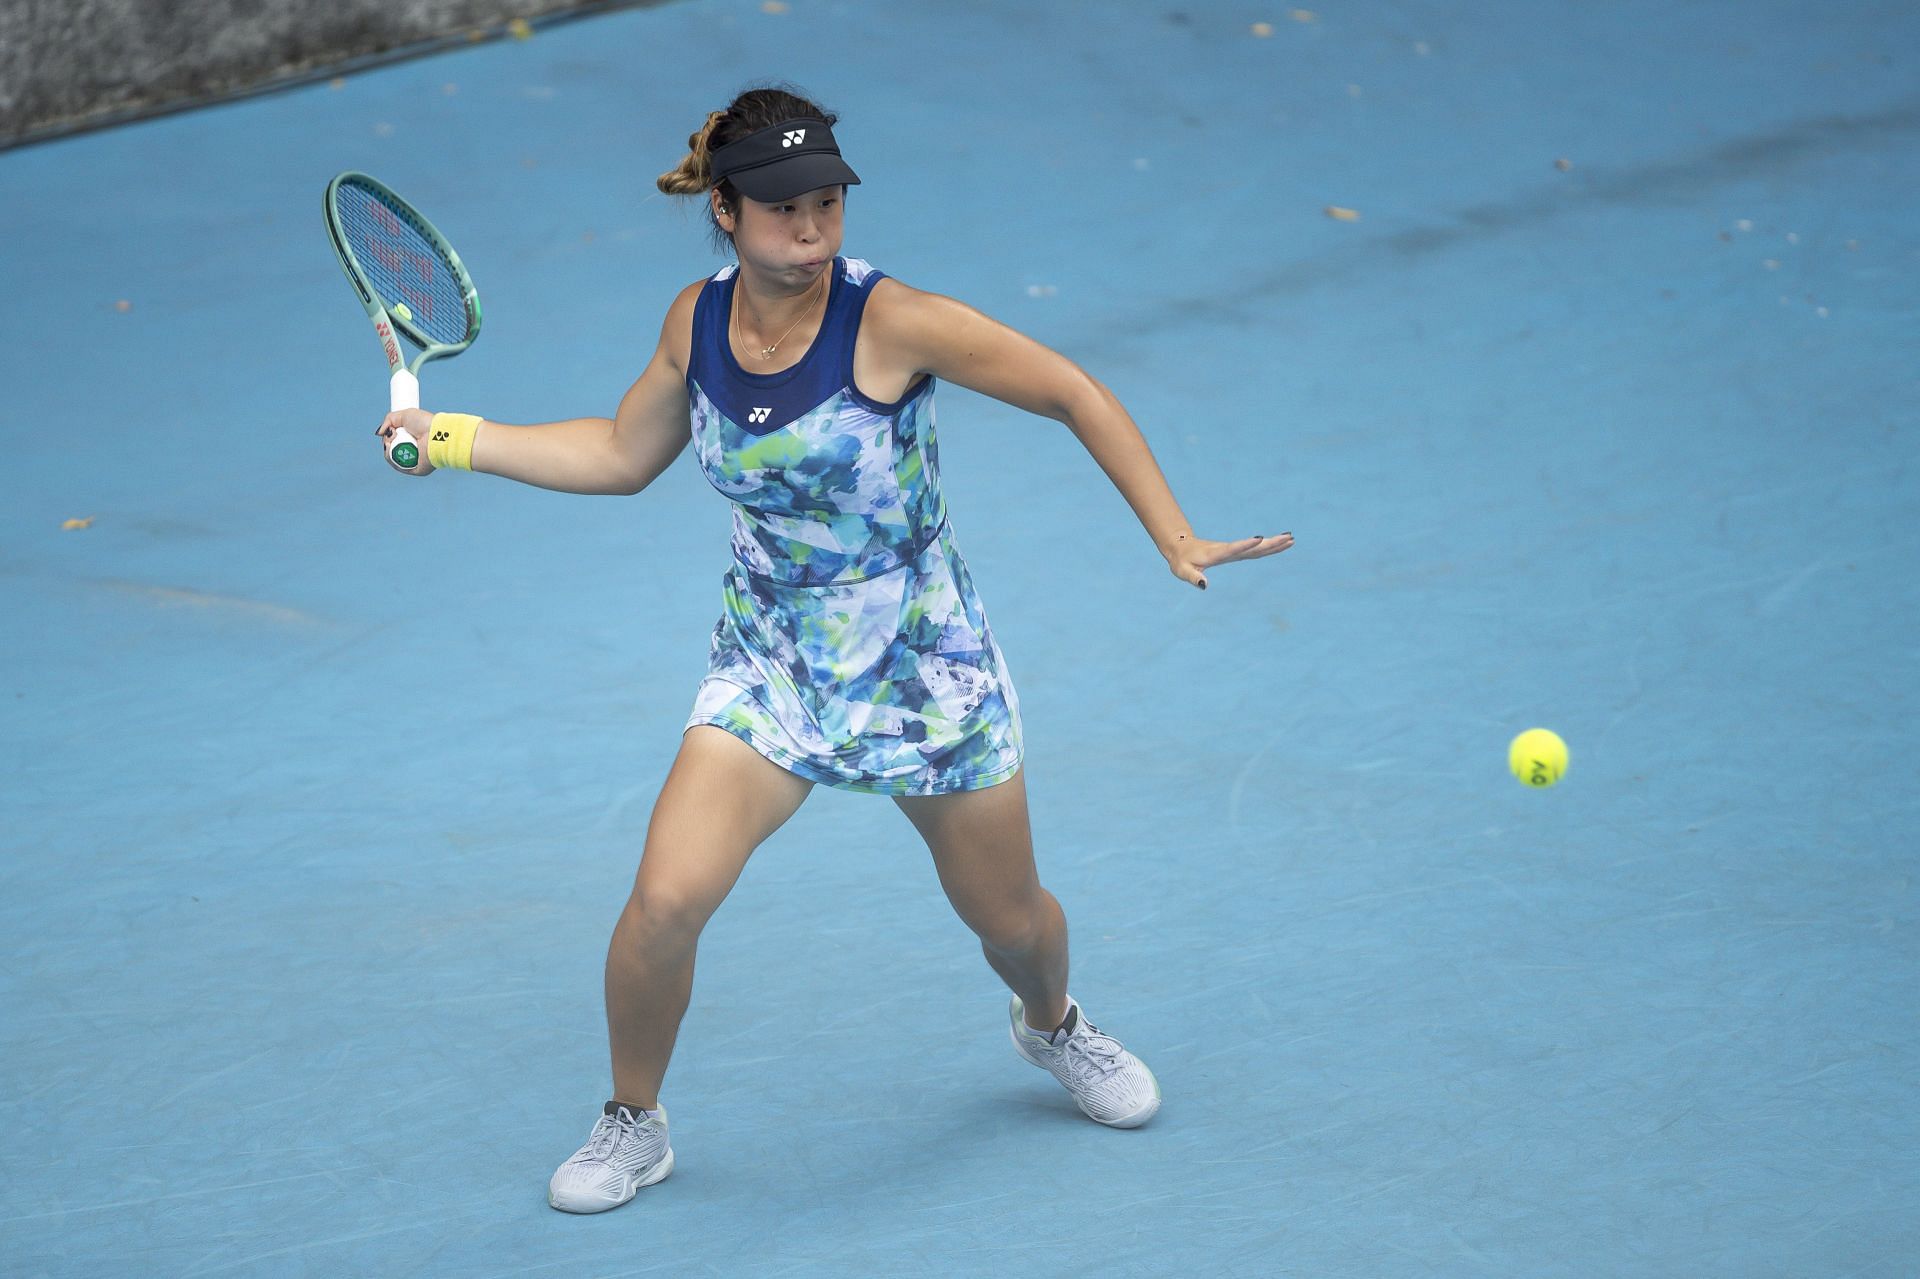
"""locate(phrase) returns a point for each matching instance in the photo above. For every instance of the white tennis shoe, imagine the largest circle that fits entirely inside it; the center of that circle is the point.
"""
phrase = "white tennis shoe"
(624, 1152)
(1111, 1084)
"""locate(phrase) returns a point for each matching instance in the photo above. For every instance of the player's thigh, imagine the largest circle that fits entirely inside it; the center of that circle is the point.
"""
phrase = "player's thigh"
(721, 799)
(982, 846)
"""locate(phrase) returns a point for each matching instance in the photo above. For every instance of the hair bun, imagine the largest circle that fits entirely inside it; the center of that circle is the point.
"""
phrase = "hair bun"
(694, 173)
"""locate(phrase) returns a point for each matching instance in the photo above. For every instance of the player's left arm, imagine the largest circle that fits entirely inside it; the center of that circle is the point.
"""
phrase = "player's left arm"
(933, 334)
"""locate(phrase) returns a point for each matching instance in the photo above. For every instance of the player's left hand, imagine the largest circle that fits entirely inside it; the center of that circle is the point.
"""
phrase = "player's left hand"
(1188, 555)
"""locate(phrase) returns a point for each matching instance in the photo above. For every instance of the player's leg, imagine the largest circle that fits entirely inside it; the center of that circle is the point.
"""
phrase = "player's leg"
(982, 846)
(721, 799)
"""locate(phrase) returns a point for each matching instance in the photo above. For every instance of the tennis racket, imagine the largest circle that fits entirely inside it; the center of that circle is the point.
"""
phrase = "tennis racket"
(411, 282)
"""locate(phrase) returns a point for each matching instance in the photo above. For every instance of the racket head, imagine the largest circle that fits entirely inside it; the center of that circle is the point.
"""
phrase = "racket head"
(402, 267)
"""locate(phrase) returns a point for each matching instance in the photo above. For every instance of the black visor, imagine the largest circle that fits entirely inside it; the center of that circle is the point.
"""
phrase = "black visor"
(780, 162)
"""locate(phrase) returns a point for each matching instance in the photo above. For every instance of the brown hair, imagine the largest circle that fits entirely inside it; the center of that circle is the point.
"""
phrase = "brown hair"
(757, 108)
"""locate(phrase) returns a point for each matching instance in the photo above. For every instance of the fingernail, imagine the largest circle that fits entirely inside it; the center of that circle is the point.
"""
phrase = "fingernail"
(1203, 586)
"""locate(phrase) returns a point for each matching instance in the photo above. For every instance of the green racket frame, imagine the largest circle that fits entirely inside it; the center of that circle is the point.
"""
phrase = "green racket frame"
(404, 380)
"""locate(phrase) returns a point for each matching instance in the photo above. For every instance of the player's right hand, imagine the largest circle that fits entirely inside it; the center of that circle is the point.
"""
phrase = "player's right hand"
(416, 423)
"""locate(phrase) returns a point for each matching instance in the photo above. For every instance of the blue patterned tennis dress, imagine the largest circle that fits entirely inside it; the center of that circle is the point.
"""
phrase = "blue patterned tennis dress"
(852, 649)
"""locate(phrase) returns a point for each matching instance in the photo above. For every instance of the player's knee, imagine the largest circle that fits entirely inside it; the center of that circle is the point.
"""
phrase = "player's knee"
(661, 916)
(1014, 928)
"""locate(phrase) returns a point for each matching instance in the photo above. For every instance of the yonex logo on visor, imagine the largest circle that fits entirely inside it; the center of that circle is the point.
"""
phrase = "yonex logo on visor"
(794, 137)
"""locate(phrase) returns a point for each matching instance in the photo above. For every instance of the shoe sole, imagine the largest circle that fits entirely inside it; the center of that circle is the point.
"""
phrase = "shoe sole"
(1134, 1120)
(655, 1175)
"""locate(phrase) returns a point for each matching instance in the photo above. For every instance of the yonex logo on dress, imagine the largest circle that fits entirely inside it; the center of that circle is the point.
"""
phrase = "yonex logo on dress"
(760, 415)
(793, 137)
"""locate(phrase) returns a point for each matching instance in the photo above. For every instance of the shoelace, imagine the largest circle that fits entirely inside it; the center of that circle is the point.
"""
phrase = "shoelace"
(1091, 1056)
(606, 1136)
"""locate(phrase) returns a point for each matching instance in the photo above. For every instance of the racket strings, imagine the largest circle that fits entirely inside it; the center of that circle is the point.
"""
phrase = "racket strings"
(403, 265)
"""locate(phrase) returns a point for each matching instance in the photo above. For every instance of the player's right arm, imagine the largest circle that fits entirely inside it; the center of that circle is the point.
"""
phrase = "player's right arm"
(621, 454)
(651, 426)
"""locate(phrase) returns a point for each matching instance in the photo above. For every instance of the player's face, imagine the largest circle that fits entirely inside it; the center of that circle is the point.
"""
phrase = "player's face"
(793, 240)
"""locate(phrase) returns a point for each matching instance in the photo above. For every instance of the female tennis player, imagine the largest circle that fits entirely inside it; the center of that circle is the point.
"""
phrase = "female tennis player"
(852, 649)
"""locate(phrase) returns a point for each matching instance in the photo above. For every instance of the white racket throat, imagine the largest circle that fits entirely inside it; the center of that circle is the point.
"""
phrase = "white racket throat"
(403, 391)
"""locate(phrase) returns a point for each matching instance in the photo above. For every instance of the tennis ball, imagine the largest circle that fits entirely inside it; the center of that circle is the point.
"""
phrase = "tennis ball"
(400, 309)
(1538, 757)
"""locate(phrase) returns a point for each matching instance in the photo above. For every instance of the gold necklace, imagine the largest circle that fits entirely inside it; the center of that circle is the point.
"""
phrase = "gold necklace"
(766, 352)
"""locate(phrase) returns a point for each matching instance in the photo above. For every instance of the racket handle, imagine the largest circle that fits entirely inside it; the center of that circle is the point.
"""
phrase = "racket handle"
(404, 391)
(407, 447)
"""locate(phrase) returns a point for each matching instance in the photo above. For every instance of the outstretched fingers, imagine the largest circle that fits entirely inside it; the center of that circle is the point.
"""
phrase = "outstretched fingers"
(1250, 548)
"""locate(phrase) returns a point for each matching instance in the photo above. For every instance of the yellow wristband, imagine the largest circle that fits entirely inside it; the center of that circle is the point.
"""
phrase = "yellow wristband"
(450, 441)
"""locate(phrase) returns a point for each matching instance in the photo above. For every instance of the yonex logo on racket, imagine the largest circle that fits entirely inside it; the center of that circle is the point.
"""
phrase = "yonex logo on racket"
(760, 415)
(793, 137)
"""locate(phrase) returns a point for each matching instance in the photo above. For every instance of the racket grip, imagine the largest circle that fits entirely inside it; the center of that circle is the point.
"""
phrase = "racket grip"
(401, 438)
(404, 391)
